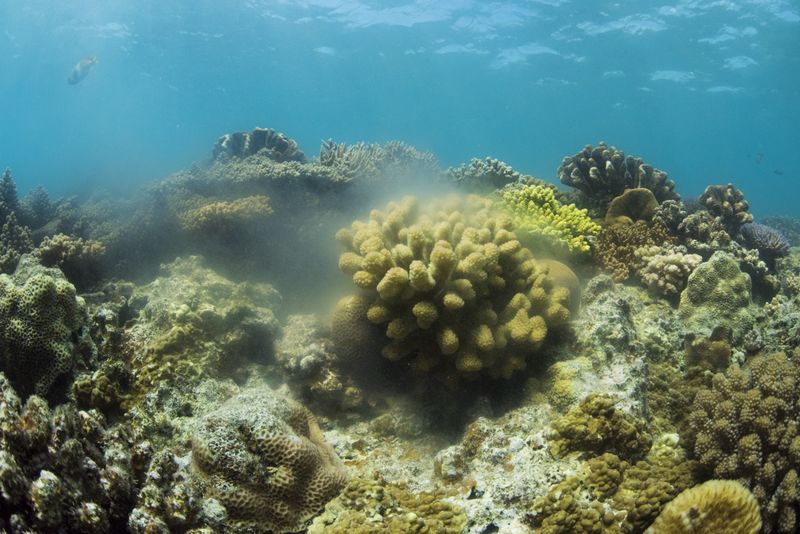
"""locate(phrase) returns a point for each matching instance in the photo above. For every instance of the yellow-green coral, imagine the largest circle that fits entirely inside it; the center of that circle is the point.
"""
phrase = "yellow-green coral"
(451, 287)
(365, 507)
(224, 216)
(535, 210)
(720, 506)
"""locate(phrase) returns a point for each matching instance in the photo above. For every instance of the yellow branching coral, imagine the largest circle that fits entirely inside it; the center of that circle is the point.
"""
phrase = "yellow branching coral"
(535, 210)
(451, 287)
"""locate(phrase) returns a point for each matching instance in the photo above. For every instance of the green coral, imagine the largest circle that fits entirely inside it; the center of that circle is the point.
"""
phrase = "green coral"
(748, 429)
(43, 334)
(451, 287)
(535, 211)
(368, 506)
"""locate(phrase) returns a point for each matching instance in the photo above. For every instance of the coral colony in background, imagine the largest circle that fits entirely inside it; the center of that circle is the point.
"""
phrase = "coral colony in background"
(474, 350)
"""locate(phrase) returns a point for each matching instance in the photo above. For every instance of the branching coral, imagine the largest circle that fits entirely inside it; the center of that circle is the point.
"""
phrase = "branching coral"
(78, 258)
(748, 429)
(604, 172)
(720, 506)
(665, 269)
(483, 174)
(264, 458)
(616, 246)
(43, 334)
(536, 212)
(452, 287)
(371, 161)
(15, 240)
(727, 203)
(770, 243)
(274, 145)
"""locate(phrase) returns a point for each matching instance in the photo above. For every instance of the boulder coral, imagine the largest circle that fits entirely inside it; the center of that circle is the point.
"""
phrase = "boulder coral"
(719, 506)
(536, 212)
(44, 333)
(264, 459)
(451, 287)
(748, 429)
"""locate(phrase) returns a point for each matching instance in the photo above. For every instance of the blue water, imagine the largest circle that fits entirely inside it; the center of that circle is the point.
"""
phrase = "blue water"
(708, 91)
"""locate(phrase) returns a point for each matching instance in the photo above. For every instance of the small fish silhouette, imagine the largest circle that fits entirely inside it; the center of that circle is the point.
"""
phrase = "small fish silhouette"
(778, 172)
(81, 70)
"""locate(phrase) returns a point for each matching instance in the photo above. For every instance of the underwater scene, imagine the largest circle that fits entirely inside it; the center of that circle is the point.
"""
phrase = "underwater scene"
(402, 266)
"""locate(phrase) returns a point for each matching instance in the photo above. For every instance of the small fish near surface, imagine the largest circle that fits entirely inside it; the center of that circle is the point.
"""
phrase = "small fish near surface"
(81, 70)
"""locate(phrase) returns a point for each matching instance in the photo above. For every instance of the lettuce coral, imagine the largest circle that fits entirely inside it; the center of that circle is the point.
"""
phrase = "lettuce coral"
(535, 211)
(452, 287)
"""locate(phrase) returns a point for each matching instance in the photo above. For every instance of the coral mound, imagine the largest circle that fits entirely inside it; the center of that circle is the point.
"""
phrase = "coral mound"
(536, 212)
(603, 172)
(42, 327)
(728, 204)
(263, 457)
(747, 430)
(451, 286)
(275, 145)
(719, 506)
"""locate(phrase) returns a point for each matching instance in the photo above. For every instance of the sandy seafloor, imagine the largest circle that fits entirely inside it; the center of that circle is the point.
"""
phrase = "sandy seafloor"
(226, 350)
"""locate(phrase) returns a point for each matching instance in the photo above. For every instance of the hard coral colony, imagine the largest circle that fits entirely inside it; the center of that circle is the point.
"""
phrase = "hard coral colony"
(504, 357)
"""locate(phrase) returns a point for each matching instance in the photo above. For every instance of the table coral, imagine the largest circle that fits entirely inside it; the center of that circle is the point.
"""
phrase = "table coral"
(603, 172)
(264, 458)
(43, 328)
(719, 506)
(748, 429)
(451, 287)
(536, 212)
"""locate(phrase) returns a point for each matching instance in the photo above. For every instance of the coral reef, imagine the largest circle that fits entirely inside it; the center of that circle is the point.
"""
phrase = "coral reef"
(788, 226)
(728, 204)
(770, 243)
(457, 293)
(226, 218)
(536, 213)
(665, 269)
(747, 430)
(722, 506)
(616, 246)
(264, 459)
(717, 294)
(597, 426)
(482, 175)
(603, 172)
(638, 204)
(366, 506)
(15, 240)
(372, 162)
(36, 209)
(61, 469)
(43, 329)
(274, 145)
(78, 258)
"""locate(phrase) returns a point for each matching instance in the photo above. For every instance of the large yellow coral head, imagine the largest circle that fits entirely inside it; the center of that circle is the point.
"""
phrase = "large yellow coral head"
(535, 210)
(451, 286)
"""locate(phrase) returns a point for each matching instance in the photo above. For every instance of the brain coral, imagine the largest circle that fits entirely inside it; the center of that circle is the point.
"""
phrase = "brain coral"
(716, 293)
(452, 287)
(748, 429)
(720, 506)
(42, 334)
(603, 172)
(263, 457)
(535, 211)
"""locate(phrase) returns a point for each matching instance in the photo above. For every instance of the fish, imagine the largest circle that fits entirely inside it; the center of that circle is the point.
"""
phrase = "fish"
(81, 70)
(778, 172)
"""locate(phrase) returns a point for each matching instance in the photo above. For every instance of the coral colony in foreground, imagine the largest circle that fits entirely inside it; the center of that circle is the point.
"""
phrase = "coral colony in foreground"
(474, 350)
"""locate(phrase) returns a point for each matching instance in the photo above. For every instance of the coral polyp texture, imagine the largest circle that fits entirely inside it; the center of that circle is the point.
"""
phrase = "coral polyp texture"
(275, 145)
(264, 459)
(603, 172)
(720, 506)
(665, 269)
(43, 334)
(747, 430)
(226, 217)
(616, 246)
(535, 212)
(451, 286)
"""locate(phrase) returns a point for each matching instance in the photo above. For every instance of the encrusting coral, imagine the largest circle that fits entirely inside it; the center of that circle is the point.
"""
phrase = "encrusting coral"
(719, 506)
(603, 172)
(748, 429)
(43, 328)
(264, 459)
(366, 506)
(536, 213)
(452, 287)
